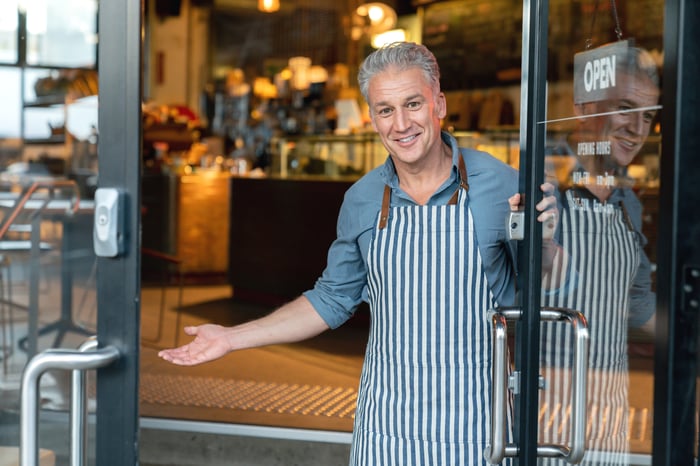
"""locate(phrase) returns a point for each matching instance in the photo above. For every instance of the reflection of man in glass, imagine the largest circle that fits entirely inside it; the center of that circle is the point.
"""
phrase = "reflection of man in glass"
(612, 131)
(601, 230)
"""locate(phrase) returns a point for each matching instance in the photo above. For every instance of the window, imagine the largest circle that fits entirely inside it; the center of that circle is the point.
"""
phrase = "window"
(10, 96)
(8, 32)
(61, 33)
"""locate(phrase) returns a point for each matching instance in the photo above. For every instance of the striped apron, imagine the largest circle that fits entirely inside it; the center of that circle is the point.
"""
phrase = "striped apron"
(425, 390)
(605, 251)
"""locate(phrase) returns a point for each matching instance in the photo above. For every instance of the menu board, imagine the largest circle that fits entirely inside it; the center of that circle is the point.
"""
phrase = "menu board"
(476, 43)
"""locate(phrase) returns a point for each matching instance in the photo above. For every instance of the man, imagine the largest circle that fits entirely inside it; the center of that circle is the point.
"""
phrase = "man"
(601, 232)
(422, 240)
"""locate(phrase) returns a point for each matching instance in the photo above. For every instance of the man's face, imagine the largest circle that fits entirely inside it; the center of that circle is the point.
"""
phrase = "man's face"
(627, 130)
(406, 114)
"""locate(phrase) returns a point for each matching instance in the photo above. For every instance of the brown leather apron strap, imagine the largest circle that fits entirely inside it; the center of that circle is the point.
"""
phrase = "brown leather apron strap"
(463, 183)
(455, 196)
(385, 207)
(463, 179)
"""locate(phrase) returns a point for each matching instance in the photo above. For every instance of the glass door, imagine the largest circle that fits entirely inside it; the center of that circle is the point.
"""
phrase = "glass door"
(69, 146)
(599, 329)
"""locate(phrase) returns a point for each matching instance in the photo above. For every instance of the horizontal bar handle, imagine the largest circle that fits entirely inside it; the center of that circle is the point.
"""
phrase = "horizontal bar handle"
(51, 359)
(498, 448)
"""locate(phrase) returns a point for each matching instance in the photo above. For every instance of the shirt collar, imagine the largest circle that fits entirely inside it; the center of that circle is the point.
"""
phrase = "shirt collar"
(388, 172)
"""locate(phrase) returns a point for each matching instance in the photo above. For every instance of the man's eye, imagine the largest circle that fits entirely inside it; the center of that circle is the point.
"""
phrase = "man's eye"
(413, 105)
(624, 108)
(384, 111)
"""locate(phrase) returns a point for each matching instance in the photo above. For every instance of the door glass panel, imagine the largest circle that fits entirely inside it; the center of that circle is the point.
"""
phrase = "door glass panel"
(10, 95)
(8, 31)
(602, 155)
(61, 33)
(47, 266)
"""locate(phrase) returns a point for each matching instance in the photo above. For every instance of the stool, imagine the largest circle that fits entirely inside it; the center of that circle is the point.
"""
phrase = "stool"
(174, 260)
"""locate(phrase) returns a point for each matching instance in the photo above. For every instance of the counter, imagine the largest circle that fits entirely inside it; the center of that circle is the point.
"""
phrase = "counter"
(280, 232)
(186, 216)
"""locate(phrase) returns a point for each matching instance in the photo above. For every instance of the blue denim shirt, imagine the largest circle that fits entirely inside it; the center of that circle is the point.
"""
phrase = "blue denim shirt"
(343, 284)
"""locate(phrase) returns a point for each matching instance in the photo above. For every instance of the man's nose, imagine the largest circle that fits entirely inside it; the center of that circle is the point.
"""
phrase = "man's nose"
(401, 119)
(636, 123)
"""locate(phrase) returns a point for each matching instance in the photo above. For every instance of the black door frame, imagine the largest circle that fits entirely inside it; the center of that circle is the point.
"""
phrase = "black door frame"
(678, 272)
(118, 279)
(532, 144)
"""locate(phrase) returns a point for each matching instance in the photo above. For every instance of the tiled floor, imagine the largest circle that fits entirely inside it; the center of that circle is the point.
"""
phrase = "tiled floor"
(310, 385)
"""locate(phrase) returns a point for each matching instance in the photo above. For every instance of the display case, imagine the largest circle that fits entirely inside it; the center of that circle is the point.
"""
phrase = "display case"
(326, 156)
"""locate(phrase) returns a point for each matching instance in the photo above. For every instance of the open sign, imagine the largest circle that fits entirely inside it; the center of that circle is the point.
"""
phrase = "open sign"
(595, 71)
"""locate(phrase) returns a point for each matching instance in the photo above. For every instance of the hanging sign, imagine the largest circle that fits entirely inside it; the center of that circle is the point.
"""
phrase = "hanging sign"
(595, 71)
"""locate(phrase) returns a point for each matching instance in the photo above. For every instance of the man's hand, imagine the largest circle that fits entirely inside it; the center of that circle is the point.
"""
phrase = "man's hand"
(211, 342)
(295, 321)
(552, 255)
(549, 212)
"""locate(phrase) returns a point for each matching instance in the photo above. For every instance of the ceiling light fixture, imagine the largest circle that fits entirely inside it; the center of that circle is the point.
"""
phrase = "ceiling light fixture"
(373, 18)
(268, 6)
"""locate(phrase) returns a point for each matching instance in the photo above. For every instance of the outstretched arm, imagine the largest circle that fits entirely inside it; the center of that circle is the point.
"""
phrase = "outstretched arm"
(295, 321)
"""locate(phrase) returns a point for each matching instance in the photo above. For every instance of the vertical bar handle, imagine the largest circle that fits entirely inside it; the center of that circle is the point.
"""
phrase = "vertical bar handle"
(498, 448)
(50, 359)
(79, 411)
(579, 379)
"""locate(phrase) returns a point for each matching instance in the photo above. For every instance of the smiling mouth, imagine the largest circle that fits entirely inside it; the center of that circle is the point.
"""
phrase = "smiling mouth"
(627, 144)
(407, 138)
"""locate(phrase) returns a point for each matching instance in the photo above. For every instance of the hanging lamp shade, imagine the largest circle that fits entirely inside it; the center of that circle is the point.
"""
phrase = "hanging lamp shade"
(268, 6)
(373, 18)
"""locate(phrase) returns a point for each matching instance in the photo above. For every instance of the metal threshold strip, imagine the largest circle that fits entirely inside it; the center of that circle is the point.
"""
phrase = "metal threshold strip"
(284, 433)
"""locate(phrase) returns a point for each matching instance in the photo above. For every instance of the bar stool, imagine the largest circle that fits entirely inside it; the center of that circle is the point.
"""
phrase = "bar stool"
(7, 321)
(167, 259)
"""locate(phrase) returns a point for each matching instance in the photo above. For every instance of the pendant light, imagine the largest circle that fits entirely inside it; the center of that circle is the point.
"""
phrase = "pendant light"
(372, 18)
(268, 6)
(378, 16)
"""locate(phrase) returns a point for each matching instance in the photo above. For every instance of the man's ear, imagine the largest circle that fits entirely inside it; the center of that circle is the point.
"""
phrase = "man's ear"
(441, 105)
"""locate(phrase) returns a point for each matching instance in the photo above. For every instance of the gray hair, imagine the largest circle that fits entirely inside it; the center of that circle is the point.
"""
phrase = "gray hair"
(638, 62)
(402, 55)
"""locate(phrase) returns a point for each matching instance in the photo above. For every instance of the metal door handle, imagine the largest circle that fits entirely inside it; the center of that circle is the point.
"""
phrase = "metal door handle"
(51, 359)
(499, 449)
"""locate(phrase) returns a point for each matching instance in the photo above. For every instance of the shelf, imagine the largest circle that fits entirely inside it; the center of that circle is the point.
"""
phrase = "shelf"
(50, 140)
(49, 101)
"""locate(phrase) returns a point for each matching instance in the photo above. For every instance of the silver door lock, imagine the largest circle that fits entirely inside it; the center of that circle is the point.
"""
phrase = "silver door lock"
(515, 226)
(108, 234)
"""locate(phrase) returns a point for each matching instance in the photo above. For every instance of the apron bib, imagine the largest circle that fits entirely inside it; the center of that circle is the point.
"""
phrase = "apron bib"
(425, 390)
